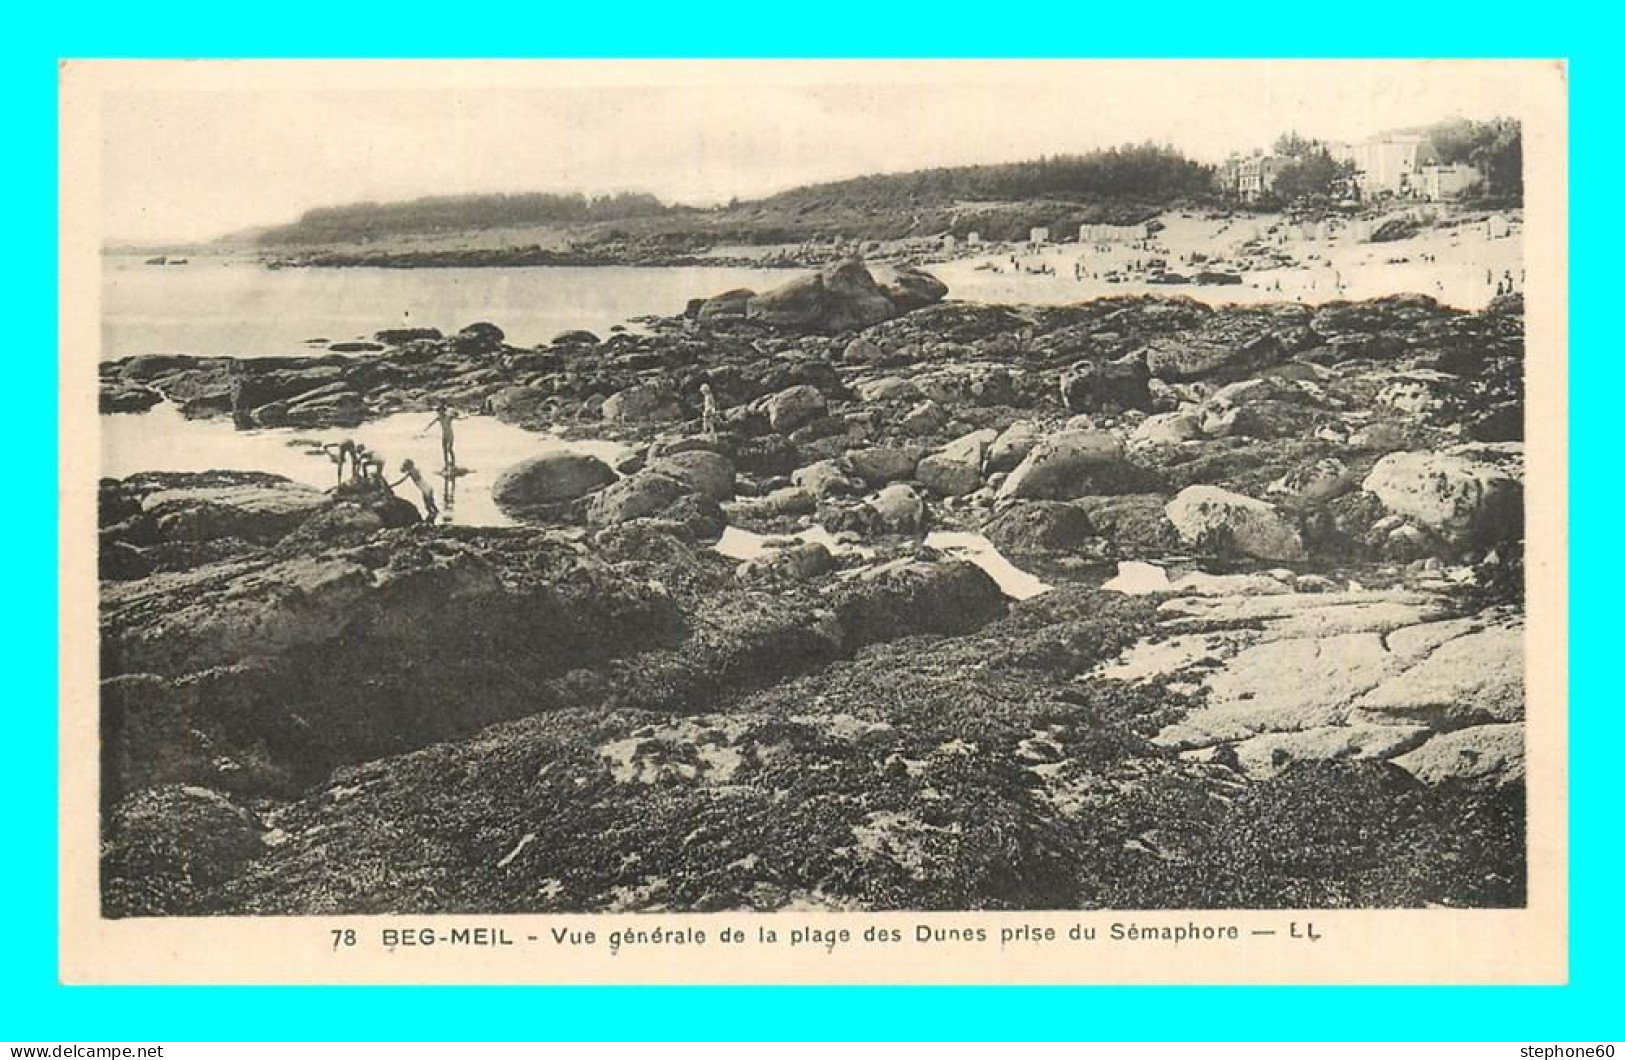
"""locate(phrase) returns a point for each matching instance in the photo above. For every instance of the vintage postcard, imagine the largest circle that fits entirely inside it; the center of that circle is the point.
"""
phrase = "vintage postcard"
(814, 521)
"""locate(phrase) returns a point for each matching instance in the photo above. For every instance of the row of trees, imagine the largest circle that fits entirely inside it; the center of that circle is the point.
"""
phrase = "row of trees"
(1494, 148)
(1132, 179)
(1146, 173)
(360, 222)
(1309, 170)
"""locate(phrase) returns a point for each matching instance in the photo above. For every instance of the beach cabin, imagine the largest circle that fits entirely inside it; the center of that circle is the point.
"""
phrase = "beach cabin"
(1112, 233)
(1038, 236)
(974, 239)
(949, 243)
(1497, 227)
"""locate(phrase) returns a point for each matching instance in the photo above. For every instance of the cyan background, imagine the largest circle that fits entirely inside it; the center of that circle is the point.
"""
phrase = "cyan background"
(34, 36)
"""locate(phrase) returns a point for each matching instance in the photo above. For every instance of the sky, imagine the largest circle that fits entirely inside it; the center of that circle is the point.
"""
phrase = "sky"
(195, 150)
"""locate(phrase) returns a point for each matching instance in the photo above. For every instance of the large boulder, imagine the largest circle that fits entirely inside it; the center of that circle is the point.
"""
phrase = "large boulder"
(576, 338)
(552, 478)
(1463, 499)
(254, 383)
(909, 288)
(520, 404)
(257, 508)
(640, 496)
(1039, 528)
(949, 475)
(166, 845)
(1169, 428)
(1062, 466)
(794, 406)
(1313, 482)
(707, 473)
(481, 337)
(1135, 522)
(1217, 520)
(927, 417)
(1199, 356)
(644, 403)
(1111, 386)
(332, 406)
(1012, 445)
(729, 305)
(972, 448)
(889, 388)
(826, 478)
(838, 298)
(905, 596)
(128, 397)
(402, 336)
(879, 465)
(901, 510)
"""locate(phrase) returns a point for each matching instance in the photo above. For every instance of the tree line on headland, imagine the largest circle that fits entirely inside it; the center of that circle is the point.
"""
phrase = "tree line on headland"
(1117, 185)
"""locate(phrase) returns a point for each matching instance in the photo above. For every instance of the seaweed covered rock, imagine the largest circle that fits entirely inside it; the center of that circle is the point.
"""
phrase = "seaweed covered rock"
(914, 596)
(704, 472)
(165, 847)
(1204, 355)
(127, 397)
(248, 506)
(638, 496)
(1039, 528)
(478, 338)
(1109, 386)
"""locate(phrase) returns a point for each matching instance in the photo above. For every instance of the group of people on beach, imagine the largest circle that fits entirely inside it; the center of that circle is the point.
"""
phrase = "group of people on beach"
(366, 466)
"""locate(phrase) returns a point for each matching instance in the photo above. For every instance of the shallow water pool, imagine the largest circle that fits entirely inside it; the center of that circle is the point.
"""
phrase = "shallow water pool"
(164, 440)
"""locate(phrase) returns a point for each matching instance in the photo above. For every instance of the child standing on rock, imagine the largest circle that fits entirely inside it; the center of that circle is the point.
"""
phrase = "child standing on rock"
(708, 411)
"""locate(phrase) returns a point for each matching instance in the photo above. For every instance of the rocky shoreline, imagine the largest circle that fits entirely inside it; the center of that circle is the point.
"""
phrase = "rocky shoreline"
(1279, 663)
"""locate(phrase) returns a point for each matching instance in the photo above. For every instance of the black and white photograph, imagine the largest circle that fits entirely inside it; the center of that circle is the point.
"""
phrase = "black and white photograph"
(816, 487)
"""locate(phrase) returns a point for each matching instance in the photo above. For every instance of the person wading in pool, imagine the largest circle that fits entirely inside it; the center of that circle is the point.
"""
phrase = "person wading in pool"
(443, 416)
(410, 471)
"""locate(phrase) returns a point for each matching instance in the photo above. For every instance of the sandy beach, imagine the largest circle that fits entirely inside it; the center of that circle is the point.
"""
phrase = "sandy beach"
(1459, 266)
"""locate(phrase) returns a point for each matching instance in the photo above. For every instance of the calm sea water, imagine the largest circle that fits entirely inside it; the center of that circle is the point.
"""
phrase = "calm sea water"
(226, 306)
